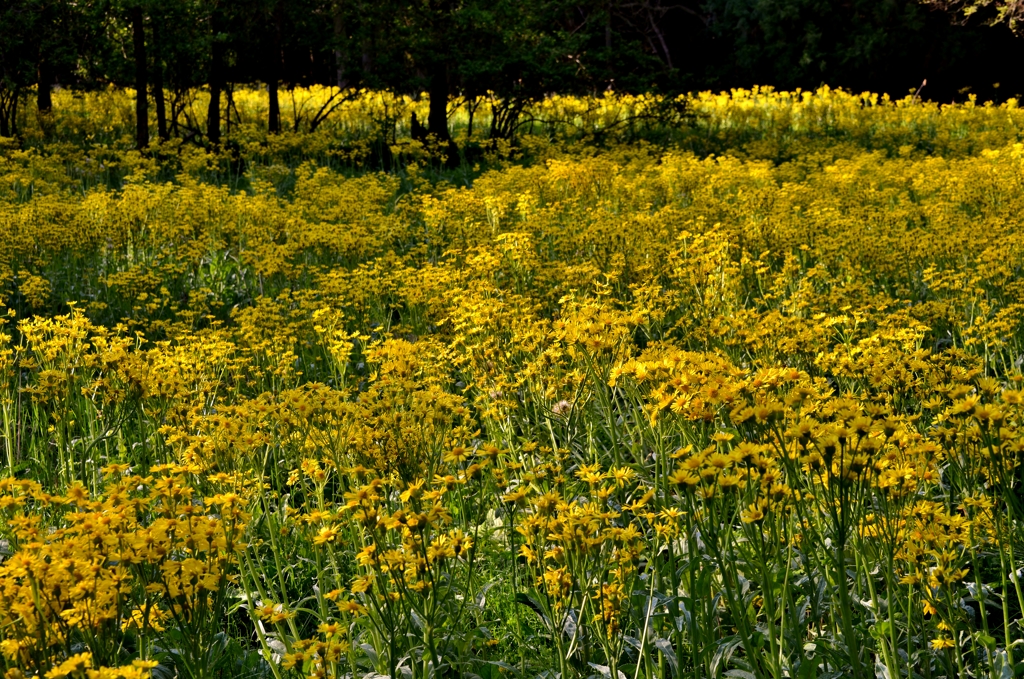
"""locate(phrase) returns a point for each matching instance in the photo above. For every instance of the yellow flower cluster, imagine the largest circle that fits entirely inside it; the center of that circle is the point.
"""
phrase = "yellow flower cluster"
(141, 554)
(748, 403)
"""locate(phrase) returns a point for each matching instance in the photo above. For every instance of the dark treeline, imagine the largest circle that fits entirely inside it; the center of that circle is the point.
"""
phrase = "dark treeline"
(518, 49)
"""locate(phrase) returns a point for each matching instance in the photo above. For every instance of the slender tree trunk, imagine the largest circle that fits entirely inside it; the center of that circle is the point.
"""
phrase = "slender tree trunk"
(229, 90)
(8, 110)
(158, 83)
(161, 105)
(437, 119)
(608, 54)
(44, 96)
(274, 114)
(175, 111)
(661, 39)
(273, 78)
(366, 45)
(339, 43)
(216, 82)
(13, 111)
(213, 110)
(141, 98)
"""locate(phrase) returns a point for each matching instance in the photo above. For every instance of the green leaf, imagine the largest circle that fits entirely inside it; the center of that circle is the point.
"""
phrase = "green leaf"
(808, 670)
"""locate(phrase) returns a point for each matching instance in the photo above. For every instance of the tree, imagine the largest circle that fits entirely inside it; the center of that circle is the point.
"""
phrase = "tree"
(1009, 12)
(45, 59)
(879, 45)
(141, 85)
(179, 60)
(15, 67)
(218, 47)
(157, 31)
(274, 66)
(29, 54)
(517, 50)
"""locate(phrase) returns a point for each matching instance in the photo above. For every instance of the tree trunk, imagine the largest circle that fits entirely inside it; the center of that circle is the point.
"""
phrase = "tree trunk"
(44, 96)
(161, 105)
(175, 110)
(8, 111)
(339, 42)
(158, 83)
(141, 99)
(273, 77)
(472, 104)
(274, 115)
(437, 119)
(216, 82)
(230, 89)
(13, 111)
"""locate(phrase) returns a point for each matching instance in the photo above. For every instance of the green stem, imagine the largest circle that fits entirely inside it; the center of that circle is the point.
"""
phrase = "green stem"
(846, 612)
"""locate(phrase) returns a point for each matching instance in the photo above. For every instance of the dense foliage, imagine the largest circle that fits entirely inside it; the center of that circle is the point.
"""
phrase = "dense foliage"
(1010, 12)
(611, 408)
(519, 51)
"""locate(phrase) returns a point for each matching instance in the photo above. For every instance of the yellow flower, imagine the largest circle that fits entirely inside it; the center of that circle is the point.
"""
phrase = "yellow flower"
(752, 514)
(74, 665)
(326, 534)
(362, 584)
(516, 496)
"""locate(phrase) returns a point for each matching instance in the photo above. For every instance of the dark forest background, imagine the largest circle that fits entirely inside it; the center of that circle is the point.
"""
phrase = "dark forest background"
(518, 49)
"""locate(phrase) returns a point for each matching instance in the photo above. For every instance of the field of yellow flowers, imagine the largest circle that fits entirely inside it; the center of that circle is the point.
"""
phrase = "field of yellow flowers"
(735, 396)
